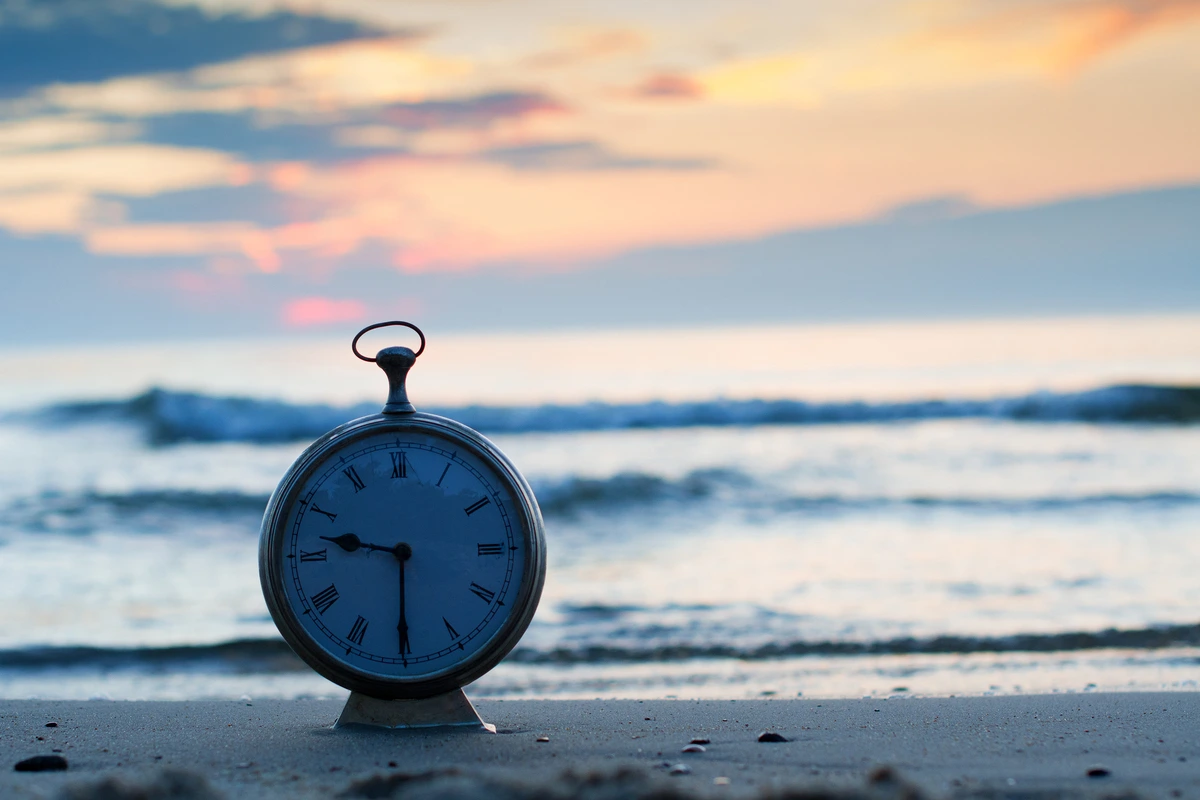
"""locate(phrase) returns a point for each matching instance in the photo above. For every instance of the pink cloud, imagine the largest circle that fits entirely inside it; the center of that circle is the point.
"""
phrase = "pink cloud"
(305, 311)
(669, 85)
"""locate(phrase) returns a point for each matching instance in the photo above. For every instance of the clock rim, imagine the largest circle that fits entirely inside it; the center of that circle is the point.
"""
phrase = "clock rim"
(272, 539)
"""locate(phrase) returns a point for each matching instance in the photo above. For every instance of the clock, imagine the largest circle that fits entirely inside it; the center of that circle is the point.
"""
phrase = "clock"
(402, 556)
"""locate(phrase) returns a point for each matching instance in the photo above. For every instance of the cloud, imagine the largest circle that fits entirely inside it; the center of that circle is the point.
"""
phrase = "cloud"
(255, 202)
(584, 45)
(353, 134)
(784, 79)
(119, 169)
(69, 41)
(470, 112)
(580, 156)
(669, 86)
(41, 212)
(306, 84)
(242, 133)
(186, 239)
(931, 209)
(309, 311)
(1059, 38)
(932, 46)
(50, 132)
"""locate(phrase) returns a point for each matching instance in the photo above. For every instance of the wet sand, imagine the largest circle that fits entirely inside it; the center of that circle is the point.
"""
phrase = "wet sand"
(1017, 746)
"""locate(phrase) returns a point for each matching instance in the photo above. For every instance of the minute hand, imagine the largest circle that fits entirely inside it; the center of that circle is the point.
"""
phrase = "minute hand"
(402, 626)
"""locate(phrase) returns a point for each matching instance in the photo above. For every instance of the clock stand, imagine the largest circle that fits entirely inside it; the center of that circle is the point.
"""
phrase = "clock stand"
(449, 710)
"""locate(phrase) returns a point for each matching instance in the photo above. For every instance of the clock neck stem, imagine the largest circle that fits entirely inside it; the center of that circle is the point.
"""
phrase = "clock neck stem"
(396, 362)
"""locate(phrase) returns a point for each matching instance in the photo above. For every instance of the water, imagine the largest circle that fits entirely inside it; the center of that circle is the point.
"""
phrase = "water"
(936, 508)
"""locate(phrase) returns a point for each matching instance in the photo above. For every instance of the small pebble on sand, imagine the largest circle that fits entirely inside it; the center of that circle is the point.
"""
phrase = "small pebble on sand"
(51, 724)
(700, 740)
(543, 738)
(41, 764)
(1098, 772)
(680, 769)
(770, 736)
(693, 748)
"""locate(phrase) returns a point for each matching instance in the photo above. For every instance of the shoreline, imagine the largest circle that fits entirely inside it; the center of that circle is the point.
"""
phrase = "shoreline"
(1147, 742)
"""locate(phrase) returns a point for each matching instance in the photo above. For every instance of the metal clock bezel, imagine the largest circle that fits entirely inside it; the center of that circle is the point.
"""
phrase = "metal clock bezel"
(273, 537)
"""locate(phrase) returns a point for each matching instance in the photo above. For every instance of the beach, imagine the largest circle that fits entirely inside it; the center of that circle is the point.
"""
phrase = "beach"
(1010, 746)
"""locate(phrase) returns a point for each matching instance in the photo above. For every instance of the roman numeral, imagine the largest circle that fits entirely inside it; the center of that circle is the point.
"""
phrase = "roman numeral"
(323, 599)
(319, 555)
(320, 510)
(483, 594)
(357, 631)
(442, 476)
(490, 549)
(352, 474)
(478, 504)
(450, 628)
(399, 465)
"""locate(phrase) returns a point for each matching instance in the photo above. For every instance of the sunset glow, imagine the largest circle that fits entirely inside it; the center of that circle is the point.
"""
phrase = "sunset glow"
(457, 137)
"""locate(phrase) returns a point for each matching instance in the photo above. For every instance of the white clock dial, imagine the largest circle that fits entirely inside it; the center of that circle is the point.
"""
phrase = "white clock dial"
(403, 553)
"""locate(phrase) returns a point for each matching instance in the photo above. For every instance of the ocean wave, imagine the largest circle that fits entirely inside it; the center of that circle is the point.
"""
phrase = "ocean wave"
(170, 417)
(246, 656)
(1151, 638)
(147, 510)
(574, 494)
(568, 497)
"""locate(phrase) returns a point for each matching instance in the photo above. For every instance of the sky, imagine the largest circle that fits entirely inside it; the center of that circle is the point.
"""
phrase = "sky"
(226, 167)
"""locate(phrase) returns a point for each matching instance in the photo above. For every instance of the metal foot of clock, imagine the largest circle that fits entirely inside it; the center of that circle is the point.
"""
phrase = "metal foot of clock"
(449, 710)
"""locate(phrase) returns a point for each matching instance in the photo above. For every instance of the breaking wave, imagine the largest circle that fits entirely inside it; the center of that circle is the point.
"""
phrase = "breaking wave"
(83, 512)
(245, 656)
(170, 417)
(1153, 638)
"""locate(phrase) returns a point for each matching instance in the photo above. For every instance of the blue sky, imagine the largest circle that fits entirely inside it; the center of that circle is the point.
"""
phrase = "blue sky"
(260, 166)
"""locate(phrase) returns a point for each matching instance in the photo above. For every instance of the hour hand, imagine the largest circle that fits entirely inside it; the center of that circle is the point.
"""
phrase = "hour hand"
(349, 542)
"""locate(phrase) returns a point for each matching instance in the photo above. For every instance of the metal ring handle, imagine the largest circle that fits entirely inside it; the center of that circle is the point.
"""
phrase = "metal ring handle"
(354, 344)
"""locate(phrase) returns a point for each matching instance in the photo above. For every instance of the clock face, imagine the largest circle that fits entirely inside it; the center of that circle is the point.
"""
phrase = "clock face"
(402, 554)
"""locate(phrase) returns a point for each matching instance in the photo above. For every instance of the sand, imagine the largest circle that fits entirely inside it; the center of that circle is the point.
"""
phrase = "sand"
(1013, 746)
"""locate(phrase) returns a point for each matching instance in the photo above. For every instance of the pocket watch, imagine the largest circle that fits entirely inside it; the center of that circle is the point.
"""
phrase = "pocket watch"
(402, 556)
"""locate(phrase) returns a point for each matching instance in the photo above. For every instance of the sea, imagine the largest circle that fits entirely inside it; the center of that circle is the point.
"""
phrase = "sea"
(884, 509)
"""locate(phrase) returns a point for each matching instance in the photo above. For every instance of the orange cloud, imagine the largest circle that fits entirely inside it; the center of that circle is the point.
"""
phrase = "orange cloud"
(590, 45)
(187, 239)
(308, 311)
(785, 78)
(1057, 38)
